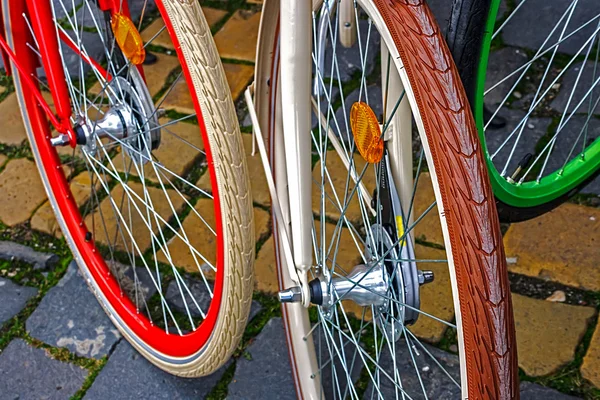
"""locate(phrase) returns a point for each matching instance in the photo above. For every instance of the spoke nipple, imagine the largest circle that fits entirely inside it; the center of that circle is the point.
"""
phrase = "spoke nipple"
(291, 295)
(425, 277)
(60, 140)
(161, 112)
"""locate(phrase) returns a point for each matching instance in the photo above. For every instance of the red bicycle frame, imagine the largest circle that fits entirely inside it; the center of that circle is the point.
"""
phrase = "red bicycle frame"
(39, 13)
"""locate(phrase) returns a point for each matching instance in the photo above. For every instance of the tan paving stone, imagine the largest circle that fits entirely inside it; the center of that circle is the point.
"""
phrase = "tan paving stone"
(238, 76)
(436, 297)
(265, 268)
(258, 182)
(175, 152)
(547, 333)
(104, 222)
(156, 74)
(203, 240)
(590, 369)
(338, 174)
(178, 98)
(44, 220)
(12, 131)
(3, 159)
(22, 191)
(237, 38)
(561, 246)
(212, 16)
(429, 228)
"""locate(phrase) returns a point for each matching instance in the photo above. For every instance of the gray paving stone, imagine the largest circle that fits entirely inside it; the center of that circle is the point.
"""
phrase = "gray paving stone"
(28, 373)
(267, 362)
(532, 391)
(267, 373)
(436, 382)
(135, 8)
(70, 316)
(584, 79)
(127, 375)
(200, 295)
(565, 140)
(535, 128)
(12, 251)
(501, 64)
(534, 21)
(13, 298)
(349, 59)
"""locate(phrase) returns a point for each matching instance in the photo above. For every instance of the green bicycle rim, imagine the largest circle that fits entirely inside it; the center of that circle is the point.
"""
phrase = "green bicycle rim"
(549, 187)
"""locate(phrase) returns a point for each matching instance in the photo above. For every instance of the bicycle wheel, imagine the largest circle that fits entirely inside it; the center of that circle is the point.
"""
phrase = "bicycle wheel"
(170, 263)
(375, 332)
(534, 67)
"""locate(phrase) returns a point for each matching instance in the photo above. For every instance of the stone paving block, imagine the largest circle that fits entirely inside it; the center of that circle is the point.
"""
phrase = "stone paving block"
(3, 159)
(44, 219)
(22, 191)
(29, 373)
(547, 333)
(156, 75)
(569, 137)
(13, 131)
(70, 316)
(502, 63)
(13, 298)
(439, 386)
(532, 391)
(199, 295)
(590, 369)
(429, 228)
(265, 268)
(163, 39)
(14, 251)
(237, 38)
(349, 59)
(523, 29)
(258, 181)
(238, 76)
(561, 246)
(203, 239)
(181, 148)
(532, 132)
(90, 19)
(266, 364)
(436, 297)
(339, 175)
(127, 375)
(584, 79)
(109, 228)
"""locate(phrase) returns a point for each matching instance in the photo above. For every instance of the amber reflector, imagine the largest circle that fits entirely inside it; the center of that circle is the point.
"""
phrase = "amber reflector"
(128, 38)
(366, 131)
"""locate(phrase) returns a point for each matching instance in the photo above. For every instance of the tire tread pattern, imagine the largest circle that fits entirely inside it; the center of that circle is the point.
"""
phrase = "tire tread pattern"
(467, 199)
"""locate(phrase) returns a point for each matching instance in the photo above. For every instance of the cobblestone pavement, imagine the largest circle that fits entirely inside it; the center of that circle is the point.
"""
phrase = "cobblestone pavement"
(56, 342)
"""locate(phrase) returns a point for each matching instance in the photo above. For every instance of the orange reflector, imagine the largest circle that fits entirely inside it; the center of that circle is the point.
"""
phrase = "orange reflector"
(128, 38)
(367, 132)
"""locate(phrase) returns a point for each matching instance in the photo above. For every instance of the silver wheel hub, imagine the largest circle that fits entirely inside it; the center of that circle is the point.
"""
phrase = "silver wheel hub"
(132, 121)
